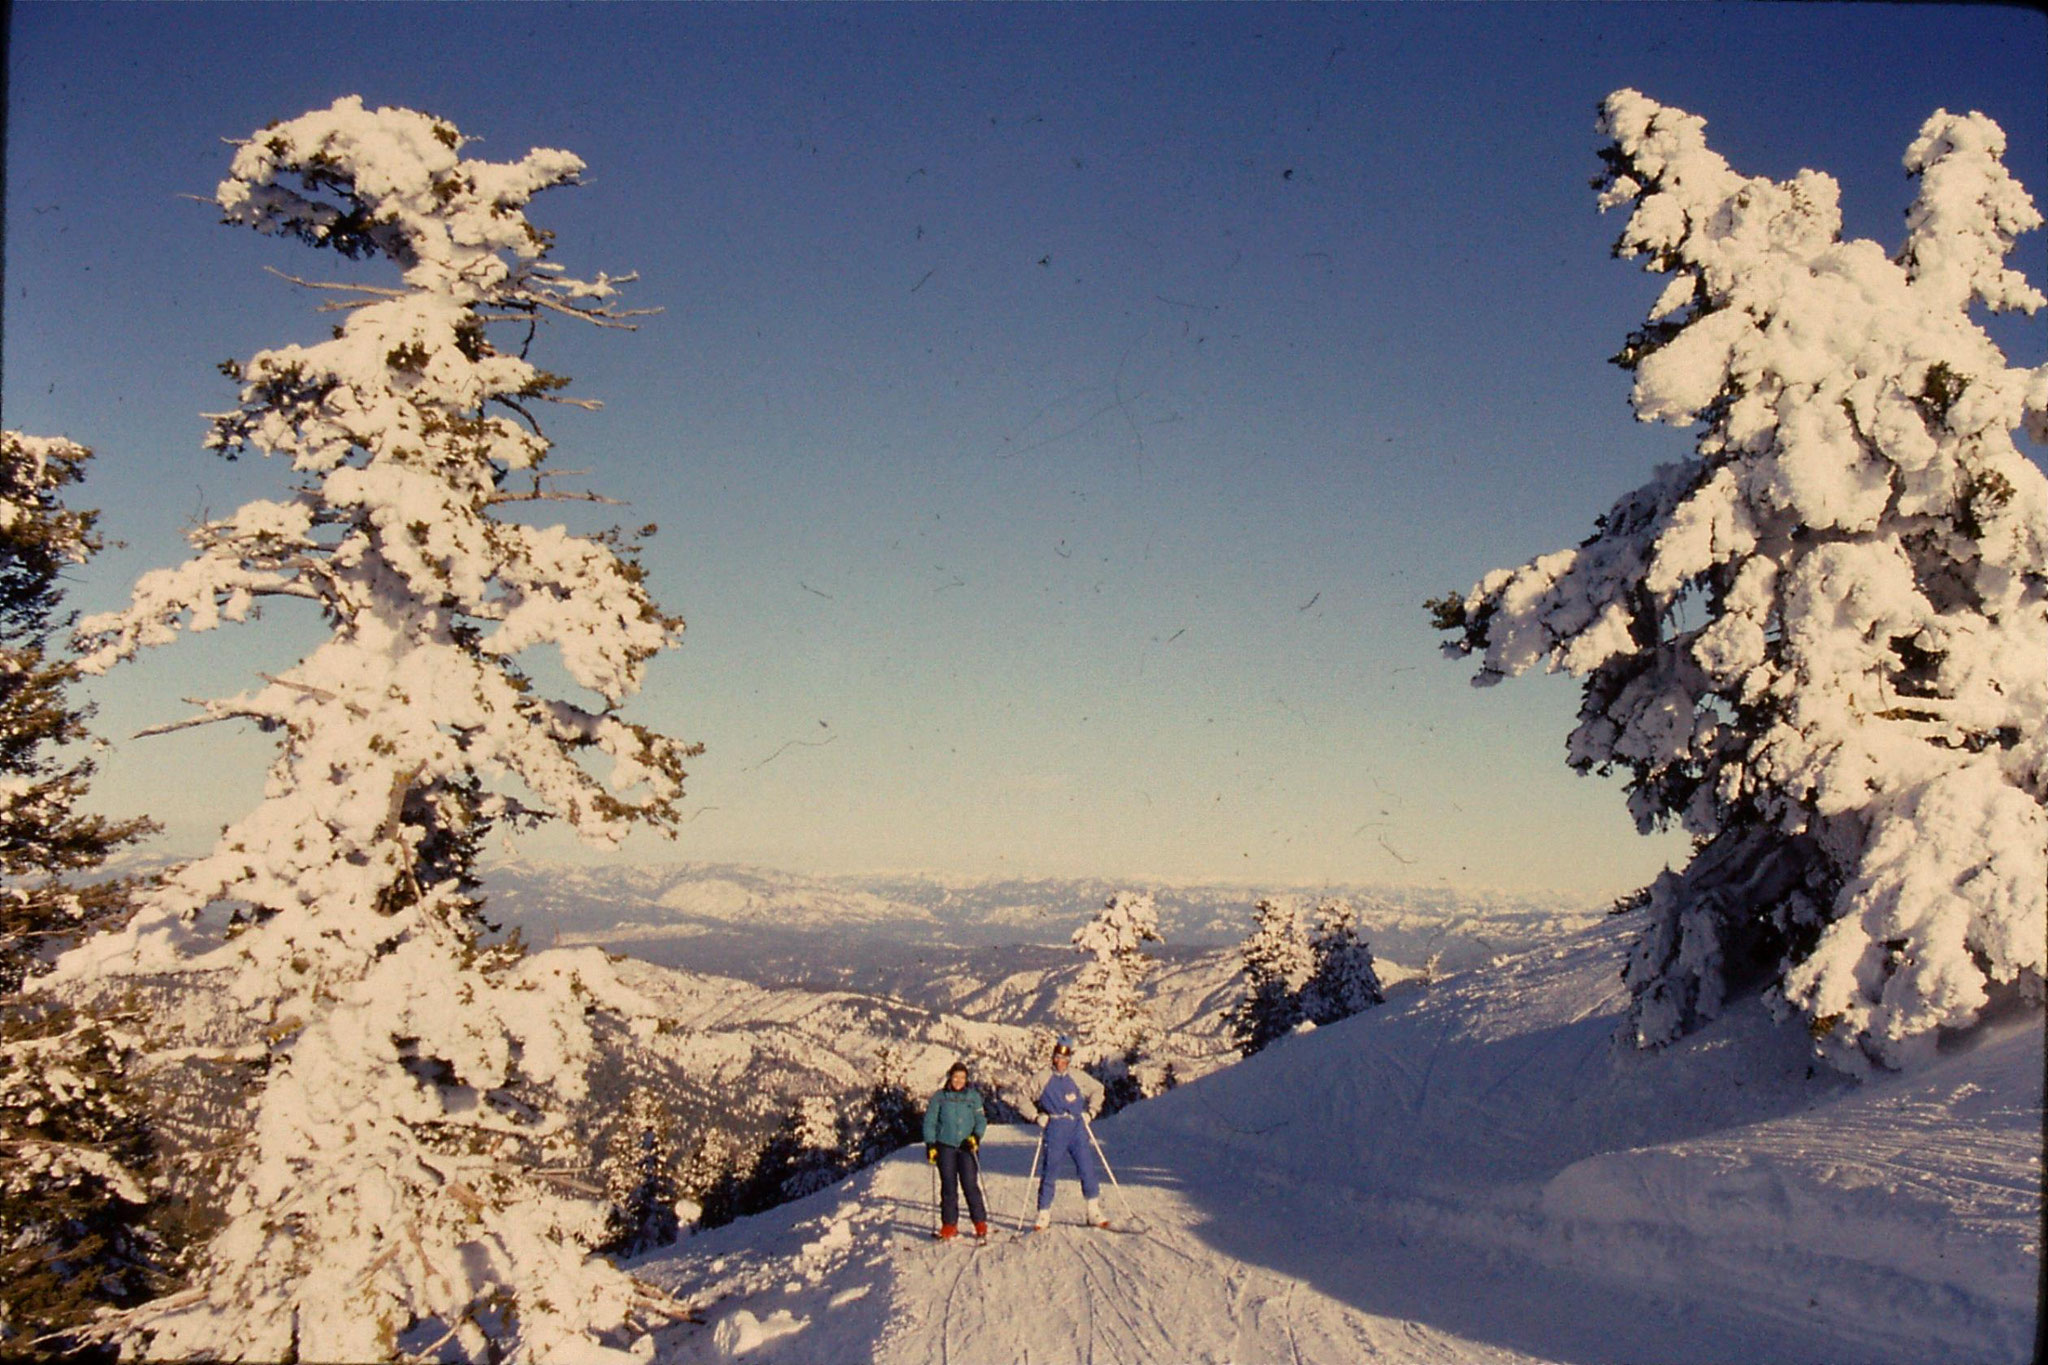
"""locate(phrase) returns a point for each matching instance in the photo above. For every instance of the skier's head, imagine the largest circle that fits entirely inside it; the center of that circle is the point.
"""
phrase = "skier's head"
(956, 1076)
(1062, 1051)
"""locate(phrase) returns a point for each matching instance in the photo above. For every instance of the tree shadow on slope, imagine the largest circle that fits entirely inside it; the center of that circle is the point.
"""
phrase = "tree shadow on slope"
(1397, 1163)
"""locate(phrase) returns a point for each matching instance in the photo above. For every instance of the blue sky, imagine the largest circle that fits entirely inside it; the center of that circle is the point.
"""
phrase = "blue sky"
(1056, 416)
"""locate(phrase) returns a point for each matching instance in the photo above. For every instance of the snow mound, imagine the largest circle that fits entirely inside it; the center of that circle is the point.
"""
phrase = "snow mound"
(743, 1332)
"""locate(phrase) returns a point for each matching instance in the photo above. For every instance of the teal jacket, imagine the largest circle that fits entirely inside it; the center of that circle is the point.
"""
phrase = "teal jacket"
(953, 1116)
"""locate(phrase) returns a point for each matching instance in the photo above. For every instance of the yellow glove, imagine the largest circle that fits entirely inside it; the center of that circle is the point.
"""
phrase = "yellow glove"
(973, 1143)
(931, 1152)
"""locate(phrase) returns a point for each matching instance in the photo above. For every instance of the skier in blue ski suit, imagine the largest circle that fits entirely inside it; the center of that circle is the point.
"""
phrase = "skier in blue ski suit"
(1063, 1100)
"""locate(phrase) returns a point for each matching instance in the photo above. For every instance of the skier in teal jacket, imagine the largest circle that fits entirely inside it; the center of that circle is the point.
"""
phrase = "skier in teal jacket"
(954, 1122)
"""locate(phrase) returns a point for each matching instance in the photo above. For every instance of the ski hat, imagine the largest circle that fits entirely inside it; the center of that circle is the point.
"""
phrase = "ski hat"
(1063, 1044)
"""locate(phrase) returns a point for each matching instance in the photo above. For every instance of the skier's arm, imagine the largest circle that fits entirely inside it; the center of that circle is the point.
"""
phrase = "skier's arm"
(980, 1118)
(1037, 1092)
(931, 1121)
(1091, 1092)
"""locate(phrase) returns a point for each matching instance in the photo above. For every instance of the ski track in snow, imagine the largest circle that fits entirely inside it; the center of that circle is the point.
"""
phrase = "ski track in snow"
(1472, 1174)
(1072, 1295)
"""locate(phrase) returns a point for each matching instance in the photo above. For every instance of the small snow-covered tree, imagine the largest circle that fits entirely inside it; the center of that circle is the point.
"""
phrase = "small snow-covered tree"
(1342, 978)
(639, 1167)
(1106, 1004)
(889, 1116)
(1821, 646)
(75, 1149)
(386, 1200)
(1278, 963)
(804, 1155)
(712, 1178)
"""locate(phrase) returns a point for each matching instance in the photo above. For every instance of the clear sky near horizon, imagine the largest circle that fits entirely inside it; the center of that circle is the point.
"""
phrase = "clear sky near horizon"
(1056, 416)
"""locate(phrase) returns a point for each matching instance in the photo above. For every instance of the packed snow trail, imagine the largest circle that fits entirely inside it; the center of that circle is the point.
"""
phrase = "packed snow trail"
(1070, 1294)
(1469, 1174)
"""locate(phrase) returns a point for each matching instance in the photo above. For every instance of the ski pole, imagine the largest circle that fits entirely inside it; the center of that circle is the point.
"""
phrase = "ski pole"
(935, 1198)
(979, 1193)
(1103, 1157)
(1031, 1179)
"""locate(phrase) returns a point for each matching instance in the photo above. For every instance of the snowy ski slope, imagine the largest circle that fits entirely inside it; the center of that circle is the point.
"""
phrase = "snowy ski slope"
(1469, 1174)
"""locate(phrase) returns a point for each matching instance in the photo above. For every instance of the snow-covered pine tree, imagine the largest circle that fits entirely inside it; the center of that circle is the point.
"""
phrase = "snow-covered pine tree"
(712, 1178)
(1106, 1005)
(43, 834)
(1278, 963)
(1822, 645)
(889, 1118)
(803, 1156)
(640, 1167)
(386, 1200)
(1342, 978)
(75, 1148)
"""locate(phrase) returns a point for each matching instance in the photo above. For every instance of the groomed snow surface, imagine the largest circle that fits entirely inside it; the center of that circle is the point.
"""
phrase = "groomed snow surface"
(1469, 1173)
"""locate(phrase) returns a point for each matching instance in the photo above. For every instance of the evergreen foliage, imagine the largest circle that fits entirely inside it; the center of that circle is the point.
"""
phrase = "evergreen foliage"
(1298, 968)
(43, 834)
(1820, 646)
(75, 1196)
(1278, 963)
(1105, 1005)
(640, 1176)
(805, 1154)
(1342, 978)
(76, 1152)
(890, 1118)
(387, 1200)
(713, 1177)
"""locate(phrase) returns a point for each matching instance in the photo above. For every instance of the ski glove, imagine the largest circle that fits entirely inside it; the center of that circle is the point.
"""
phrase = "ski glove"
(1044, 1119)
(972, 1144)
(931, 1152)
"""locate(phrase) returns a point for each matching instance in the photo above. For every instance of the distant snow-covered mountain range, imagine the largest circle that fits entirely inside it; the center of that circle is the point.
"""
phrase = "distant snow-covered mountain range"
(771, 925)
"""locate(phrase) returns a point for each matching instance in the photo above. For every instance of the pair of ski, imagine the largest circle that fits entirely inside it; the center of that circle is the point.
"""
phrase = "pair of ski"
(968, 1238)
(997, 1234)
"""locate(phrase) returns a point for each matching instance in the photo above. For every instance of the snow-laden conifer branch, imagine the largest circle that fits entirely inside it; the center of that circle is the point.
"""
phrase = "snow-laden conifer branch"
(75, 1147)
(1853, 730)
(389, 1197)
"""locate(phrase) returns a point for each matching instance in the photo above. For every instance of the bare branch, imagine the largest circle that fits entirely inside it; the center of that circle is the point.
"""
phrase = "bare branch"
(189, 723)
(349, 288)
(320, 692)
(646, 1295)
(344, 305)
(538, 496)
(401, 787)
(520, 408)
(596, 317)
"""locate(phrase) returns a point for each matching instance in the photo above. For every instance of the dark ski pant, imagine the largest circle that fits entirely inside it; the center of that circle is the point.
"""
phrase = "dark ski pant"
(1069, 1138)
(958, 1165)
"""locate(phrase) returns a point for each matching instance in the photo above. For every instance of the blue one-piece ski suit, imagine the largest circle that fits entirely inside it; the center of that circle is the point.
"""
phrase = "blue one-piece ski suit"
(1066, 1098)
